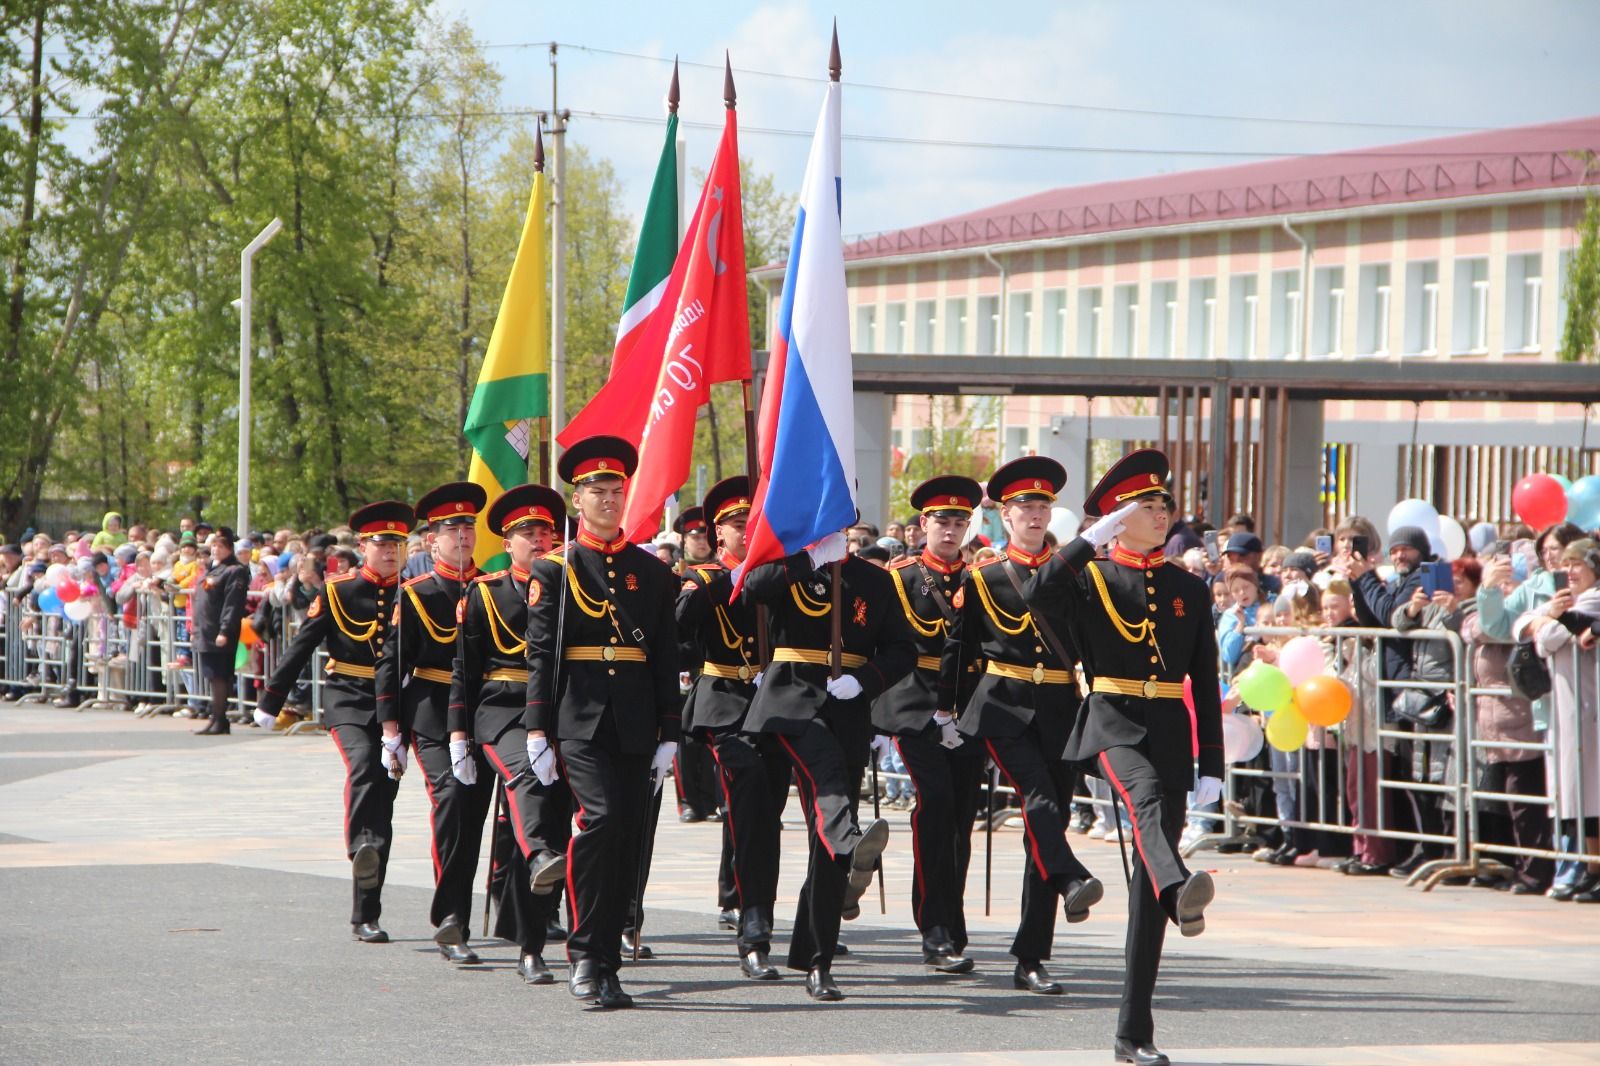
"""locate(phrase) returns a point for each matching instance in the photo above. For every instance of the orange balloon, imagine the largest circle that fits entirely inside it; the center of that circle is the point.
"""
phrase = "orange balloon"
(1323, 700)
(247, 634)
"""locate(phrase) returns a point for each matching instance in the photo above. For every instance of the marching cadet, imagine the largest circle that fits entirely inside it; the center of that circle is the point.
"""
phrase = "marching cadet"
(413, 688)
(824, 724)
(1144, 625)
(351, 615)
(1023, 707)
(488, 698)
(722, 635)
(945, 771)
(603, 691)
(694, 776)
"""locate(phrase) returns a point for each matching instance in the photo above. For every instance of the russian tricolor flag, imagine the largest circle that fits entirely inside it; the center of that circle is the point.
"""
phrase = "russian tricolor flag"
(806, 428)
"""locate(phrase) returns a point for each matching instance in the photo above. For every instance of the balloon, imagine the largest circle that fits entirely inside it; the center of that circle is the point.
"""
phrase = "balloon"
(247, 634)
(67, 591)
(1264, 687)
(1454, 537)
(1301, 658)
(1566, 482)
(78, 610)
(241, 657)
(1323, 700)
(1287, 730)
(88, 588)
(1241, 737)
(1414, 512)
(55, 574)
(1539, 500)
(1583, 503)
(49, 602)
(1064, 524)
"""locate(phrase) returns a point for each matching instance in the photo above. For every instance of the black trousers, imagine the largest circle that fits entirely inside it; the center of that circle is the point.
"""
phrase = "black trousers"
(694, 775)
(948, 783)
(1524, 825)
(368, 808)
(541, 820)
(1157, 814)
(611, 789)
(640, 878)
(827, 769)
(456, 816)
(727, 883)
(755, 776)
(1046, 787)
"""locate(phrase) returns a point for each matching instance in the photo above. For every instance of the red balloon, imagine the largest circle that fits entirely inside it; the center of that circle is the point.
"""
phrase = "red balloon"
(1539, 500)
(67, 591)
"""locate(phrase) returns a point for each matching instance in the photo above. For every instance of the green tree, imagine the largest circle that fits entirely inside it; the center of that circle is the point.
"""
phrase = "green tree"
(1580, 334)
(958, 438)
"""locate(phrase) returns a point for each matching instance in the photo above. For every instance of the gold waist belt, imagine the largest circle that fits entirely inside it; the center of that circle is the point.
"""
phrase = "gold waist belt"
(1036, 674)
(732, 673)
(608, 653)
(432, 673)
(815, 658)
(1150, 690)
(928, 662)
(507, 673)
(350, 669)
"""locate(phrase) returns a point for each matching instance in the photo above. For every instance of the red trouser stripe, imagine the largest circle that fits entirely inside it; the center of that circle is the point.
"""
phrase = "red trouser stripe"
(433, 812)
(727, 813)
(920, 896)
(334, 733)
(1027, 826)
(811, 804)
(1138, 837)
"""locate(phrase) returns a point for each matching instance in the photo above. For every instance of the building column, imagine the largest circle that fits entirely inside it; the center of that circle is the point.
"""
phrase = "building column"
(1377, 481)
(1302, 486)
(1067, 442)
(872, 455)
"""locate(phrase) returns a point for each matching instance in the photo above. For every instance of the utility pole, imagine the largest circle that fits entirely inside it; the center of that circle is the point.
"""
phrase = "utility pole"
(246, 298)
(558, 263)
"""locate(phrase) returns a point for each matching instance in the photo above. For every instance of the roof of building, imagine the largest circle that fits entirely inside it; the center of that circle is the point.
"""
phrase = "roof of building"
(1519, 159)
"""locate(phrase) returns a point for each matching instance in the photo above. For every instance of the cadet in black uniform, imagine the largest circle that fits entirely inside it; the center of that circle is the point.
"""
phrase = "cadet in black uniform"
(603, 688)
(488, 698)
(413, 687)
(1023, 707)
(722, 635)
(825, 726)
(352, 614)
(694, 775)
(945, 771)
(219, 613)
(1143, 625)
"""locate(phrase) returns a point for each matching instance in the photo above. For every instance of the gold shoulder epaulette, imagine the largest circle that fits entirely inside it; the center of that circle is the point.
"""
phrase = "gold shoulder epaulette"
(419, 577)
(488, 577)
(991, 562)
(901, 564)
(348, 575)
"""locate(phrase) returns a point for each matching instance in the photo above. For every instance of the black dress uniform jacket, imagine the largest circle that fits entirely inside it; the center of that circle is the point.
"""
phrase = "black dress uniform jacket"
(712, 630)
(1110, 611)
(925, 588)
(617, 596)
(352, 615)
(873, 626)
(221, 606)
(421, 647)
(995, 625)
(492, 639)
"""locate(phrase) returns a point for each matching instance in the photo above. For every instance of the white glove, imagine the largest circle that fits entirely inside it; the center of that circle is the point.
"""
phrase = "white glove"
(1207, 791)
(462, 763)
(756, 681)
(394, 756)
(844, 687)
(882, 745)
(666, 751)
(542, 760)
(265, 720)
(947, 729)
(1104, 529)
(829, 549)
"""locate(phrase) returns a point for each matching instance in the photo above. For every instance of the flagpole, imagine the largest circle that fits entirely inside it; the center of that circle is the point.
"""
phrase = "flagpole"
(836, 650)
(539, 447)
(558, 263)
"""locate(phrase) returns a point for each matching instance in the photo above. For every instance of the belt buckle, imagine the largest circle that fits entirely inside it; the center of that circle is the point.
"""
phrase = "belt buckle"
(608, 653)
(744, 673)
(1150, 690)
(1038, 674)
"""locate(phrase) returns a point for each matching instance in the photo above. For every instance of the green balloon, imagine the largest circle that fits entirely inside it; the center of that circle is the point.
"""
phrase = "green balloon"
(1264, 687)
(241, 658)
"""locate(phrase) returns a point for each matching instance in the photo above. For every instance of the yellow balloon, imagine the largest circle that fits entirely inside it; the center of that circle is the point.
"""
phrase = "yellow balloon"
(1287, 729)
(1323, 700)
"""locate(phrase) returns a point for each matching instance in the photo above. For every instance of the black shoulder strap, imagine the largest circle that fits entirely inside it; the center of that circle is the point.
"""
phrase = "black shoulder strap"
(939, 597)
(1039, 621)
(619, 615)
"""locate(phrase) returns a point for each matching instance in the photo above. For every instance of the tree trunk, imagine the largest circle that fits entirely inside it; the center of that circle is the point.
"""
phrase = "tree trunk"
(30, 184)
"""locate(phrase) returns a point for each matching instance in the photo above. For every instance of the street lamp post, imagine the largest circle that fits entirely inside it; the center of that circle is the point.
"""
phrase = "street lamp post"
(246, 274)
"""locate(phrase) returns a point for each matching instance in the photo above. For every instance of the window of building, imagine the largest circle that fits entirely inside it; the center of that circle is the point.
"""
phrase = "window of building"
(1163, 319)
(866, 328)
(1089, 323)
(1327, 318)
(1019, 324)
(926, 319)
(1524, 302)
(1054, 340)
(1202, 318)
(988, 325)
(894, 328)
(1372, 311)
(1124, 321)
(1470, 328)
(1422, 307)
(1243, 305)
(955, 326)
(1286, 325)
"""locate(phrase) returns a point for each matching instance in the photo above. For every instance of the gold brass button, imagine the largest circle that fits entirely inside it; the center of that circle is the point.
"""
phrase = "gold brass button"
(613, 573)
(1152, 606)
(1149, 573)
(613, 672)
(1151, 589)
(1154, 659)
(613, 640)
(609, 559)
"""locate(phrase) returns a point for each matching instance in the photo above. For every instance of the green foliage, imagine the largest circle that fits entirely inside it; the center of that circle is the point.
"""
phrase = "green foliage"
(957, 439)
(1580, 334)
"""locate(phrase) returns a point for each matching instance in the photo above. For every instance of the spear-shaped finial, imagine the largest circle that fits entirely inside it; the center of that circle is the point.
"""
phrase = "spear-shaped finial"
(729, 97)
(672, 90)
(538, 146)
(835, 68)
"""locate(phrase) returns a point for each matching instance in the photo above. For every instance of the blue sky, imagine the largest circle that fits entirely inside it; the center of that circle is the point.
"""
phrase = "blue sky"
(1371, 66)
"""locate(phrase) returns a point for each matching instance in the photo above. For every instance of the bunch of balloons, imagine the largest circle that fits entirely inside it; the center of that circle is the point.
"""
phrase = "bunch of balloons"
(1296, 694)
(1544, 499)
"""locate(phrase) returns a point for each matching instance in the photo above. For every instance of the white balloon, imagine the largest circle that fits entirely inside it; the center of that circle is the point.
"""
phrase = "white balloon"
(1413, 512)
(55, 574)
(1063, 523)
(78, 609)
(1454, 539)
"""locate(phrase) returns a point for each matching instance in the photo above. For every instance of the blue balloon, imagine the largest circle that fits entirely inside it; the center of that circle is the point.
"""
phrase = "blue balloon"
(1583, 503)
(50, 603)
